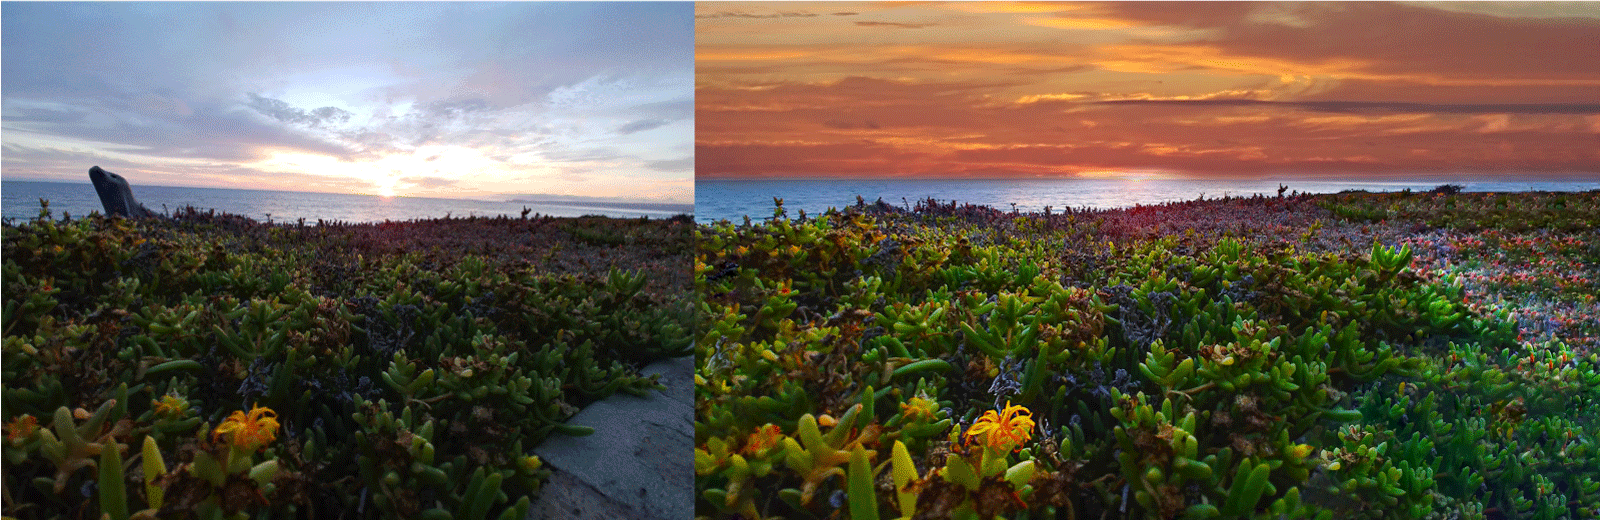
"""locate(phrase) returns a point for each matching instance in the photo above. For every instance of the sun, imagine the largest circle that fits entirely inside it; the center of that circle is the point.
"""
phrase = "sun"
(1123, 174)
(392, 174)
(1103, 174)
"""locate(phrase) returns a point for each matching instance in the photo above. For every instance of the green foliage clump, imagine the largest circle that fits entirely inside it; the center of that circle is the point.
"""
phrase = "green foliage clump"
(237, 369)
(855, 365)
(1447, 208)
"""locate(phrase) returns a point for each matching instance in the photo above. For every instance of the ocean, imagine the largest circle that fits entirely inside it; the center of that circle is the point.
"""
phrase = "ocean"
(732, 200)
(21, 202)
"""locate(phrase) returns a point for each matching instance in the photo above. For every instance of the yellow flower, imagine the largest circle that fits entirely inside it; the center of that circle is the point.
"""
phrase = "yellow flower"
(1006, 429)
(764, 439)
(249, 432)
(918, 408)
(22, 427)
(171, 406)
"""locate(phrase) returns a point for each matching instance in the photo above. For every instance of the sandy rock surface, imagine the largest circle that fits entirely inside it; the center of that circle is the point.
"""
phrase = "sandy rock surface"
(638, 464)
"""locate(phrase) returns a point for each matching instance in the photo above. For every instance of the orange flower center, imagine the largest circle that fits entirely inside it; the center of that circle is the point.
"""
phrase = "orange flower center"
(1006, 429)
(249, 432)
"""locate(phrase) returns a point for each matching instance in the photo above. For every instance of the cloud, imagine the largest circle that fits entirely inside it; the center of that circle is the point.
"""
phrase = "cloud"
(642, 125)
(73, 165)
(1203, 88)
(44, 161)
(51, 115)
(896, 25)
(1403, 42)
(741, 14)
(950, 129)
(1365, 106)
(219, 132)
(684, 164)
(598, 154)
(279, 110)
(431, 182)
(353, 81)
(847, 125)
(714, 160)
(453, 108)
(675, 109)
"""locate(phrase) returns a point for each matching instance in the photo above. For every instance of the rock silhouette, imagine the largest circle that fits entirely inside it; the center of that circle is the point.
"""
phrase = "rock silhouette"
(116, 195)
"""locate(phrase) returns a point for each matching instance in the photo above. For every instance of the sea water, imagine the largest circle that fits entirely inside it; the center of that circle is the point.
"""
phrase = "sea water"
(734, 199)
(21, 202)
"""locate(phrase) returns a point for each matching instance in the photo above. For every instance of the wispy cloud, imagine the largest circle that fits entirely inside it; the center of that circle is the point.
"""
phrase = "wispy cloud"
(279, 110)
(767, 14)
(896, 25)
(1372, 107)
(286, 89)
(1199, 88)
(642, 125)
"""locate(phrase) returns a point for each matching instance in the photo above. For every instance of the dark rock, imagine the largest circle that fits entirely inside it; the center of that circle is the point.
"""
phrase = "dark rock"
(116, 195)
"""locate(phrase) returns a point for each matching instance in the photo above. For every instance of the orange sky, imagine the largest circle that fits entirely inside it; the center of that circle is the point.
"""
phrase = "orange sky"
(824, 89)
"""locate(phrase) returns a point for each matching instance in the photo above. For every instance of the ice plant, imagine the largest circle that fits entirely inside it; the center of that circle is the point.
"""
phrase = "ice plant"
(1005, 430)
(763, 440)
(262, 286)
(999, 434)
(532, 463)
(171, 406)
(1261, 345)
(249, 432)
(22, 427)
(921, 408)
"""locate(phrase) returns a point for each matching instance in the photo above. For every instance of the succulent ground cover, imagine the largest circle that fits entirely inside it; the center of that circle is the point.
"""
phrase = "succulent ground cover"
(1266, 357)
(212, 366)
(1536, 254)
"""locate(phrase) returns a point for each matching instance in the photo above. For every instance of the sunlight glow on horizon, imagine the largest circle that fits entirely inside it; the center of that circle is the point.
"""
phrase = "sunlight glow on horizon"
(1127, 175)
(401, 174)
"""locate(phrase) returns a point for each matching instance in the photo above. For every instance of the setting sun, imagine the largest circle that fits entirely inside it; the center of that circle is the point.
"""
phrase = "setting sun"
(396, 173)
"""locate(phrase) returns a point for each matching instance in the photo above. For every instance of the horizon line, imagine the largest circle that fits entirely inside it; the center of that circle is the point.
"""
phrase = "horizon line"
(581, 198)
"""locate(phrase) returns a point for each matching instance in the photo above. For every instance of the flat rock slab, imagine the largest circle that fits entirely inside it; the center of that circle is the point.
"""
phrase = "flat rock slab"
(638, 464)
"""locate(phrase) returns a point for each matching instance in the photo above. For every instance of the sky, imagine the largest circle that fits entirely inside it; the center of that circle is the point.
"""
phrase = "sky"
(457, 100)
(1147, 89)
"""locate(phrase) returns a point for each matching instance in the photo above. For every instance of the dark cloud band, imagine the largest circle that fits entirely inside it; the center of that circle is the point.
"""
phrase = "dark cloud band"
(1366, 106)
